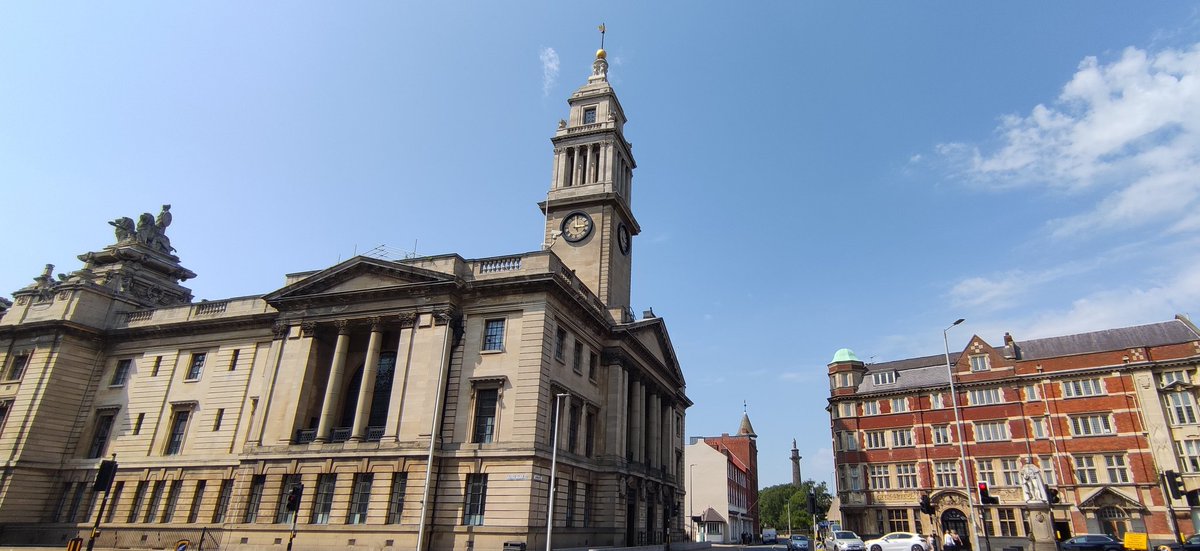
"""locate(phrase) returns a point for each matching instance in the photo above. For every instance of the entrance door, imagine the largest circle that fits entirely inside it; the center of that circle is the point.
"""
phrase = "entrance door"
(953, 519)
(631, 507)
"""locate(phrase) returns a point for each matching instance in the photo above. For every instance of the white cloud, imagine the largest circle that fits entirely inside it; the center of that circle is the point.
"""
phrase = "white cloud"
(1129, 129)
(549, 59)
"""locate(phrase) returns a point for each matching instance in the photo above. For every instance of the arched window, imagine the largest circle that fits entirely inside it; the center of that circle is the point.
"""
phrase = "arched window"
(1113, 522)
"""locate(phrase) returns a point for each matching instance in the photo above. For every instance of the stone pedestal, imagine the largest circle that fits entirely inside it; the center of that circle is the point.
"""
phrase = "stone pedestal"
(1041, 527)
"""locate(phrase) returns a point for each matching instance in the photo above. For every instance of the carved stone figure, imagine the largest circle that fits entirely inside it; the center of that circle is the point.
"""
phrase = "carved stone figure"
(148, 230)
(124, 228)
(164, 219)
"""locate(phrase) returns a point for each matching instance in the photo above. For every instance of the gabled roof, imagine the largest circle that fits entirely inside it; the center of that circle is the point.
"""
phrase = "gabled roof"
(652, 334)
(711, 515)
(1109, 496)
(361, 273)
(1154, 334)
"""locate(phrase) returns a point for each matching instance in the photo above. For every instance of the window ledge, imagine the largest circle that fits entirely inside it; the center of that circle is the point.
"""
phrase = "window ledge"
(497, 351)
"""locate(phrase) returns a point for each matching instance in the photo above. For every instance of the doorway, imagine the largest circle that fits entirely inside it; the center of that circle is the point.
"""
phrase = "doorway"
(953, 519)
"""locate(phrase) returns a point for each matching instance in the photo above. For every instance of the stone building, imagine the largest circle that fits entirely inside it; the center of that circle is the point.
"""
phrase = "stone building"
(1096, 417)
(409, 404)
(722, 486)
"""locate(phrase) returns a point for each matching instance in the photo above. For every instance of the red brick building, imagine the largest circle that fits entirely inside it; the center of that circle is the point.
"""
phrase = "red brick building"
(1100, 415)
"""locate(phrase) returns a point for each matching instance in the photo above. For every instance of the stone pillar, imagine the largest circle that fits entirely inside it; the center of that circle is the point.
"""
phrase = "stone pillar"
(594, 165)
(404, 346)
(614, 426)
(1041, 527)
(366, 389)
(605, 162)
(577, 169)
(639, 421)
(655, 430)
(334, 384)
(668, 457)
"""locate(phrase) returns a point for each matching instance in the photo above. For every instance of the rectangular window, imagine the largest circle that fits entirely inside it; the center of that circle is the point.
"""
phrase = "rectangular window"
(1090, 425)
(902, 438)
(572, 428)
(360, 498)
(1117, 472)
(985, 515)
(282, 514)
(560, 344)
(941, 434)
(884, 377)
(179, 422)
(899, 405)
(157, 364)
(1189, 455)
(5, 405)
(233, 359)
(855, 485)
(254, 499)
(1008, 522)
(121, 373)
(946, 473)
(880, 477)
(197, 499)
(118, 488)
(396, 498)
(476, 498)
(1031, 393)
(152, 505)
(493, 334)
(589, 115)
(1011, 471)
(223, 497)
(937, 401)
(587, 505)
(139, 499)
(1082, 387)
(569, 506)
(17, 366)
(1168, 378)
(589, 433)
(984, 471)
(1047, 465)
(1038, 427)
(897, 520)
(979, 363)
(137, 425)
(1182, 406)
(1085, 470)
(196, 366)
(871, 408)
(986, 396)
(485, 415)
(906, 475)
(323, 501)
(104, 423)
(593, 365)
(577, 358)
(991, 431)
(218, 418)
(847, 409)
(876, 439)
(172, 501)
(851, 441)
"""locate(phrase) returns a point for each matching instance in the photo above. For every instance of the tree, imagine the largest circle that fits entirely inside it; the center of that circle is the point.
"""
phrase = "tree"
(773, 505)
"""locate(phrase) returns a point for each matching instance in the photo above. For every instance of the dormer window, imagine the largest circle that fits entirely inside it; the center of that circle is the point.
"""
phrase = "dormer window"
(589, 115)
(1171, 377)
(979, 363)
(884, 377)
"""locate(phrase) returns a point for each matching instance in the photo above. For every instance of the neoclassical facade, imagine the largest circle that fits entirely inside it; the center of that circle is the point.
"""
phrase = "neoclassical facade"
(410, 404)
(1098, 416)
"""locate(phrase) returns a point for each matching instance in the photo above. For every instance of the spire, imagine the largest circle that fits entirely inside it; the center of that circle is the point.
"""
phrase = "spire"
(745, 429)
(600, 66)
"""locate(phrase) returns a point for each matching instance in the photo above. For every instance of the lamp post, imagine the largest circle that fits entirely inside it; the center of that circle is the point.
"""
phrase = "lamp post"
(692, 499)
(553, 466)
(962, 447)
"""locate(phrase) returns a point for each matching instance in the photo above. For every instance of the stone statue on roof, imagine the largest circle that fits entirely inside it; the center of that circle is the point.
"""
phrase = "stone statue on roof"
(148, 230)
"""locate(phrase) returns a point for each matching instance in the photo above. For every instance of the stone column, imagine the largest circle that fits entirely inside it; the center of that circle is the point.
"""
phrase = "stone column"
(655, 412)
(636, 412)
(404, 347)
(606, 162)
(664, 443)
(614, 413)
(334, 384)
(577, 168)
(366, 389)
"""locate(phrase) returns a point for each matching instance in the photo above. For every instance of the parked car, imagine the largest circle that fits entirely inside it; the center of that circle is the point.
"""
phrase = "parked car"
(844, 540)
(1192, 543)
(769, 536)
(1091, 542)
(898, 541)
(798, 542)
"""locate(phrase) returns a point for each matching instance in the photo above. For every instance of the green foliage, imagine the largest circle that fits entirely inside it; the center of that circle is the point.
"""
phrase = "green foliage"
(773, 506)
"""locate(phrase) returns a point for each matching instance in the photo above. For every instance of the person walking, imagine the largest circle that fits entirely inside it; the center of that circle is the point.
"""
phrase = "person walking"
(948, 541)
(957, 541)
(931, 541)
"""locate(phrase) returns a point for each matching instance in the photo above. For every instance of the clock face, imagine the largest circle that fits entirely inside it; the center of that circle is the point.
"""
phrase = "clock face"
(576, 227)
(623, 238)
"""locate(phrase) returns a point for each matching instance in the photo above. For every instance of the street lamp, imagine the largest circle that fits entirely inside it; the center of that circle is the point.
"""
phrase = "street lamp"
(962, 447)
(692, 499)
(554, 465)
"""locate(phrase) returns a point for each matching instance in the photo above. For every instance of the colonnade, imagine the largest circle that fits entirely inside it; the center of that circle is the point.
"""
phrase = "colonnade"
(640, 424)
(592, 163)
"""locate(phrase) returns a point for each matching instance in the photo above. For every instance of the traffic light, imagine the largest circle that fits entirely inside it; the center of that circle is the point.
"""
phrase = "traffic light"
(812, 503)
(293, 498)
(104, 478)
(986, 498)
(1175, 484)
(926, 506)
(1052, 496)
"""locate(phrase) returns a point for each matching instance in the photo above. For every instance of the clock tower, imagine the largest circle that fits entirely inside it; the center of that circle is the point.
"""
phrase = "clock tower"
(589, 222)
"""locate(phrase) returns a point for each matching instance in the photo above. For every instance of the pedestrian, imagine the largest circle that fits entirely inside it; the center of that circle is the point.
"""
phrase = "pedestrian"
(948, 541)
(957, 541)
(931, 541)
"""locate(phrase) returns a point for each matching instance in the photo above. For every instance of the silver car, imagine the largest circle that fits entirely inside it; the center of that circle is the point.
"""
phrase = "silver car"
(898, 541)
(845, 540)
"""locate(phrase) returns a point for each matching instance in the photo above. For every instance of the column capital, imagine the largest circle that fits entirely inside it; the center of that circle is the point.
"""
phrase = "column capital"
(280, 330)
(406, 318)
(308, 328)
(343, 326)
(376, 323)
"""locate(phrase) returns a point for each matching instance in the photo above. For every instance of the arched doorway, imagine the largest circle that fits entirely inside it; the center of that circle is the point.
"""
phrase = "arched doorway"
(954, 519)
(1113, 522)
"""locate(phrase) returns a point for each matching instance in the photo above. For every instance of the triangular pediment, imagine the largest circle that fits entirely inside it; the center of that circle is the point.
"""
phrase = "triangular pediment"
(359, 274)
(1110, 497)
(652, 336)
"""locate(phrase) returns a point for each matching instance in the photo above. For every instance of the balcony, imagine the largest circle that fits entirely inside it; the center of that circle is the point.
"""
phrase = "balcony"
(305, 436)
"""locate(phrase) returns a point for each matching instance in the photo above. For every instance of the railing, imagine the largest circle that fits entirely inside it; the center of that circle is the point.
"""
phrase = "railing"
(585, 128)
(138, 315)
(304, 436)
(215, 307)
(340, 434)
(374, 434)
(507, 264)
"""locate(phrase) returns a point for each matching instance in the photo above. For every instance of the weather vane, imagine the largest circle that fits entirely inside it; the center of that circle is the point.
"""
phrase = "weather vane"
(602, 36)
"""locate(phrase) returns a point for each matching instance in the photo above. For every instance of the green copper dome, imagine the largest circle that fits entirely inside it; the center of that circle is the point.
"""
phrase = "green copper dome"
(844, 355)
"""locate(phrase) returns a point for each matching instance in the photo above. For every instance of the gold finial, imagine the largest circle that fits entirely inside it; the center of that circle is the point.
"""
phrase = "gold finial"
(601, 54)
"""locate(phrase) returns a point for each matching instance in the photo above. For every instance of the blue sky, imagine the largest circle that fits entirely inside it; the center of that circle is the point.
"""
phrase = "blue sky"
(812, 175)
